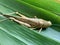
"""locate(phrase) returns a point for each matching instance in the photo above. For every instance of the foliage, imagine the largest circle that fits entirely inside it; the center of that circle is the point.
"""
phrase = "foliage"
(12, 33)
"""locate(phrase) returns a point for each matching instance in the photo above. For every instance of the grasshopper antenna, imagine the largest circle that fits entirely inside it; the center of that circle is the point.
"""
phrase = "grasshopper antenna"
(5, 15)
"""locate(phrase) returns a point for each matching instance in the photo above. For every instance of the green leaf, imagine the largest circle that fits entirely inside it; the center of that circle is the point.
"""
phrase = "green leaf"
(12, 33)
(23, 7)
(50, 5)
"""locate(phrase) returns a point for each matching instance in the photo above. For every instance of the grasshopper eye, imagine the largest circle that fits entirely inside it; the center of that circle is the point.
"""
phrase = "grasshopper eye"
(49, 23)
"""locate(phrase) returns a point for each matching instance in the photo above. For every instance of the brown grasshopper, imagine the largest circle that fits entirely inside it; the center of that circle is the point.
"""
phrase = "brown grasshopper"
(29, 22)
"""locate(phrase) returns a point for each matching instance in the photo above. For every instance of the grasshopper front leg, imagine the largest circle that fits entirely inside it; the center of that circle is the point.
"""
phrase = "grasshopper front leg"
(21, 15)
(40, 30)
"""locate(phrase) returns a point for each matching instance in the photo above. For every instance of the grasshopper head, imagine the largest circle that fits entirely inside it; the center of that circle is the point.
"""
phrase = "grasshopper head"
(49, 23)
(45, 23)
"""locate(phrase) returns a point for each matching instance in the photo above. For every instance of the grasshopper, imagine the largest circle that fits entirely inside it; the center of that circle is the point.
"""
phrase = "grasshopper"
(29, 22)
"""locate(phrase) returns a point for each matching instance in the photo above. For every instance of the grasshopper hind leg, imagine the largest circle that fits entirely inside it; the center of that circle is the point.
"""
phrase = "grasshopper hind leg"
(20, 22)
(21, 15)
(17, 13)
